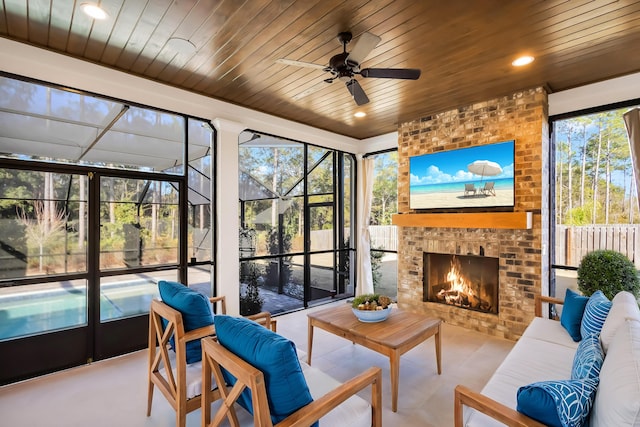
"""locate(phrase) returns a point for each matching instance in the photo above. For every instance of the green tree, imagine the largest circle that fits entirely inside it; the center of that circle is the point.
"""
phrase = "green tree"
(385, 188)
(593, 151)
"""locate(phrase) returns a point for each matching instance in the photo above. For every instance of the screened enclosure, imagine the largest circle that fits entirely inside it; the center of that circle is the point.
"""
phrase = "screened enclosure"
(99, 200)
(297, 219)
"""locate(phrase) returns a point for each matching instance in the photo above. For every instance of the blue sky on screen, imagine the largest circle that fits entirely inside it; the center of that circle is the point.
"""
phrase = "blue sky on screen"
(451, 166)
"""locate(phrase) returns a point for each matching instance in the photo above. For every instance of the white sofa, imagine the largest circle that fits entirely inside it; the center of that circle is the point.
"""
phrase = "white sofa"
(546, 352)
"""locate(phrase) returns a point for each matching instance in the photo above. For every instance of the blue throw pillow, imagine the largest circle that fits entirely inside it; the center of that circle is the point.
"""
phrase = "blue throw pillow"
(572, 310)
(595, 313)
(588, 359)
(564, 403)
(272, 354)
(195, 309)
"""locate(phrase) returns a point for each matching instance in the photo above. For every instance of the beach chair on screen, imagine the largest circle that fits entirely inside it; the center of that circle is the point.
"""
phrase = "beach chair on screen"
(488, 189)
(469, 189)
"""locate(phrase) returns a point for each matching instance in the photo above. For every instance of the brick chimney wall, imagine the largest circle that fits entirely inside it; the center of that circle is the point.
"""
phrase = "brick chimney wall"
(523, 254)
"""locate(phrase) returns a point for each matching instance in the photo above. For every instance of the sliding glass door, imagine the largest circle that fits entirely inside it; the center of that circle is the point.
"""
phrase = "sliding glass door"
(44, 300)
(84, 253)
(139, 227)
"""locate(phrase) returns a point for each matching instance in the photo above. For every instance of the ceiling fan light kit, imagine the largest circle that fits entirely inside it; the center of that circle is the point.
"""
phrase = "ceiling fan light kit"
(346, 65)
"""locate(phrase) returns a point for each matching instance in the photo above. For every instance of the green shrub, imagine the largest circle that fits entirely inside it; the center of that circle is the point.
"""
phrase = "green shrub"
(608, 271)
(250, 301)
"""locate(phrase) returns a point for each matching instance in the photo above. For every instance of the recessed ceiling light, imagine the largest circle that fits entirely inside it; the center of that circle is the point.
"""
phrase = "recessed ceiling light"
(523, 60)
(94, 11)
(359, 114)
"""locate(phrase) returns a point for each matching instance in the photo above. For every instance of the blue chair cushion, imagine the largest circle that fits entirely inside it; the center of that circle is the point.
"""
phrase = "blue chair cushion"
(588, 358)
(595, 313)
(272, 354)
(195, 309)
(572, 311)
(564, 403)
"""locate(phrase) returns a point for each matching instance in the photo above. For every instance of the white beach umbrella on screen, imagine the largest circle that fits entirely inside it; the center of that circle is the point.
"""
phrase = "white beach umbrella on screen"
(484, 168)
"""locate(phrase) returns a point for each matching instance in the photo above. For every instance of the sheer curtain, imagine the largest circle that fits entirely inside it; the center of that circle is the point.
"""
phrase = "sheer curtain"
(364, 275)
(632, 122)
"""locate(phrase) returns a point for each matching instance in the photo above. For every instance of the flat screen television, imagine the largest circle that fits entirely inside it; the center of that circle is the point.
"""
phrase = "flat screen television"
(474, 177)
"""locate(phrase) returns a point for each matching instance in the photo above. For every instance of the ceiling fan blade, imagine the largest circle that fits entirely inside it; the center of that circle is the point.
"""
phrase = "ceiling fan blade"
(391, 73)
(312, 89)
(362, 47)
(300, 63)
(357, 92)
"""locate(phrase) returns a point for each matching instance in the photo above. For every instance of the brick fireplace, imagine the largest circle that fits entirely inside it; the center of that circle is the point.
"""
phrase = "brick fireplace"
(466, 281)
(521, 252)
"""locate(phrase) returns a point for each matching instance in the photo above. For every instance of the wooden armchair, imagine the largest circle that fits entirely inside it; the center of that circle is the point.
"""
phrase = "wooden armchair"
(216, 357)
(178, 381)
(264, 317)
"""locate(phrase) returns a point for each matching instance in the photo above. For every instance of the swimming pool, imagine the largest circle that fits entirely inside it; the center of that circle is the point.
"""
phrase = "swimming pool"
(53, 306)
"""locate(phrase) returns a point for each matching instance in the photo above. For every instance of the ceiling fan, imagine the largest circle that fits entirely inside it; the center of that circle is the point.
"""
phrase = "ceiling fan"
(346, 65)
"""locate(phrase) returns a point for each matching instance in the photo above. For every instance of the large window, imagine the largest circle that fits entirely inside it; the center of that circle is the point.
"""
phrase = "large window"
(596, 205)
(295, 207)
(384, 236)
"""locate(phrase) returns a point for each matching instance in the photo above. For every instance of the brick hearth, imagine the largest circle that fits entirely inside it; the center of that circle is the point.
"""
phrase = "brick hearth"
(522, 253)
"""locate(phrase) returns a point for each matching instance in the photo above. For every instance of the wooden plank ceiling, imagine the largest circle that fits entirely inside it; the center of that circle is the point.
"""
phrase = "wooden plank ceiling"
(464, 49)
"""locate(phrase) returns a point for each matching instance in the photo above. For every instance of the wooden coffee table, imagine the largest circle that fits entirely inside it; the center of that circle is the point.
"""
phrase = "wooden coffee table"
(393, 337)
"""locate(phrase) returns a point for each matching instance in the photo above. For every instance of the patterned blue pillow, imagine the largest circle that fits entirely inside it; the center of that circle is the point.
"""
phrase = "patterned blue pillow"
(564, 403)
(595, 313)
(588, 358)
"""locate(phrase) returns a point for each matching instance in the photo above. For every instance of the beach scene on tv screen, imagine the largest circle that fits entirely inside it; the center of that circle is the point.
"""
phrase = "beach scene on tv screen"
(480, 176)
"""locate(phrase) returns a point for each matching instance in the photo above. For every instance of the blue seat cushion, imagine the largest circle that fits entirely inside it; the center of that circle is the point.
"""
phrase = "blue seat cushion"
(588, 358)
(563, 403)
(272, 354)
(572, 311)
(595, 313)
(195, 309)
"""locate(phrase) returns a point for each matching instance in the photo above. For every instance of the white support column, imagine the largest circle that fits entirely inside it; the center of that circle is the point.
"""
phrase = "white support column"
(227, 257)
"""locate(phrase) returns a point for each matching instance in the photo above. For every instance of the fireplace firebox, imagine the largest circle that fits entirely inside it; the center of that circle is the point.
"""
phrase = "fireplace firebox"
(466, 281)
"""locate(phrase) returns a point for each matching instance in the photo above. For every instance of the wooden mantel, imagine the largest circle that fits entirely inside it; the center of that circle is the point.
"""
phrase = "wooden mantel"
(510, 220)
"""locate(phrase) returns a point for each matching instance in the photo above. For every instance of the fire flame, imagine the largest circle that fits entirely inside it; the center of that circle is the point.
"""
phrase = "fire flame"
(458, 285)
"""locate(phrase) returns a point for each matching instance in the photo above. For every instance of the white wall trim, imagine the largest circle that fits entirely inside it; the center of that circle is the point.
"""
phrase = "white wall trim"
(594, 95)
(378, 143)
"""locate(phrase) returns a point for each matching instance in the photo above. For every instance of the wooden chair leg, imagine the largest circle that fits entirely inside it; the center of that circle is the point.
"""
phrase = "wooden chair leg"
(149, 398)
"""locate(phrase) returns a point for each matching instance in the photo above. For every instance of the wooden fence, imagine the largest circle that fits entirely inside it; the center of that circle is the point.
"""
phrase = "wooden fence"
(384, 237)
(574, 242)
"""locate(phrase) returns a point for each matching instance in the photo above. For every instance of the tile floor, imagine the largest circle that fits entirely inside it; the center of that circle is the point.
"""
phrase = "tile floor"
(113, 392)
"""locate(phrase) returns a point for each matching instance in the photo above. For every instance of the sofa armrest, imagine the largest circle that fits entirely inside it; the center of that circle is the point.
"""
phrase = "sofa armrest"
(540, 299)
(466, 397)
